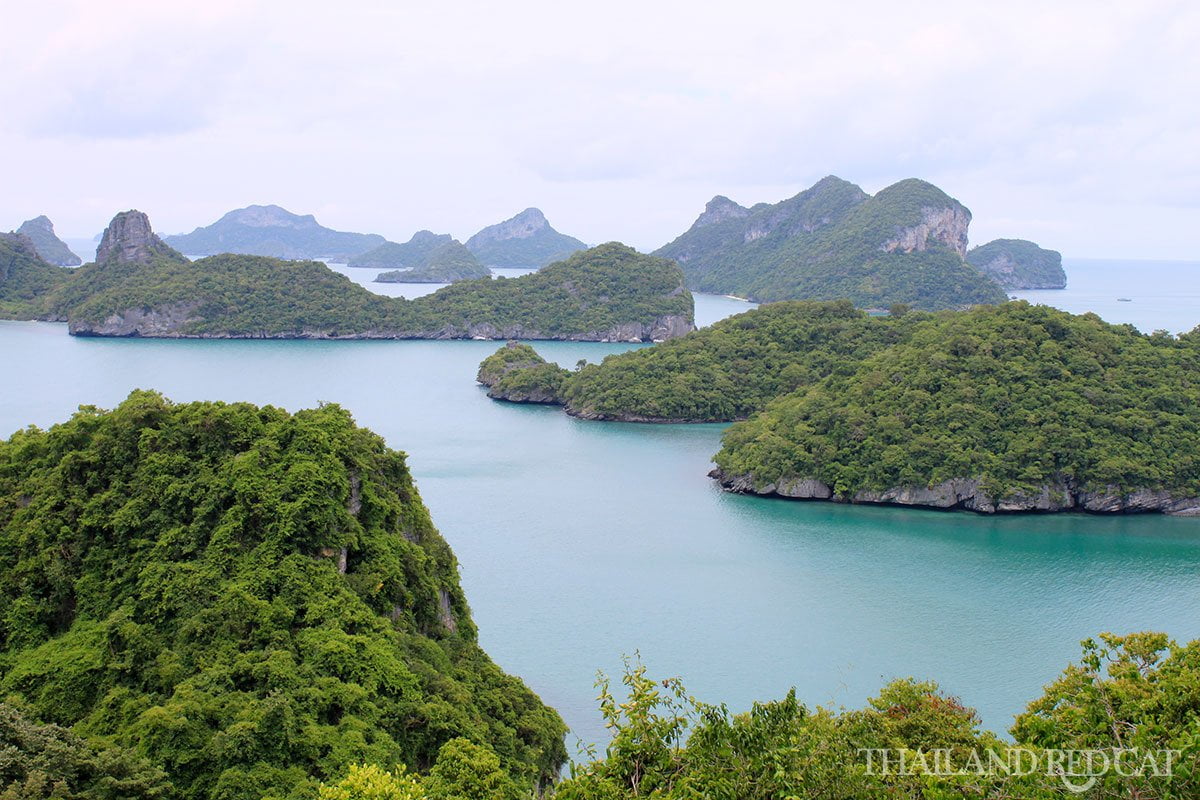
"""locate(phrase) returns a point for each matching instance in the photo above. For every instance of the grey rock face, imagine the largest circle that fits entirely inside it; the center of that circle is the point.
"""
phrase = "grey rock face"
(967, 494)
(947, 226)
(128, 239)
(719, 209)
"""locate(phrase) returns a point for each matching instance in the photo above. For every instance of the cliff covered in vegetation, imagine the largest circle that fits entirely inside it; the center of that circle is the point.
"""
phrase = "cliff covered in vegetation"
(250, 600)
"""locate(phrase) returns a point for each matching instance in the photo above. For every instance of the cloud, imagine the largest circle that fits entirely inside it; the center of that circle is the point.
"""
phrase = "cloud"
(620, 119)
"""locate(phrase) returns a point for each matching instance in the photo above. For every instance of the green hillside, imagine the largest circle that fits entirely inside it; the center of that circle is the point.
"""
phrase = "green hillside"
(251, 600)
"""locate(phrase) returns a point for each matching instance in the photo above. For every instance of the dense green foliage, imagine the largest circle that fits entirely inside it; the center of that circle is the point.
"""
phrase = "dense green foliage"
(25, 278)
(48, 762)
(1016, 396)
(273, 231)
(53, 250)
(586, 296)
(828, 243)
(526, 240)
(733, 368)
(518, 374)
(1138, 691)
(446, 263)
(412, 253)
(1019, 264)
(250, 599)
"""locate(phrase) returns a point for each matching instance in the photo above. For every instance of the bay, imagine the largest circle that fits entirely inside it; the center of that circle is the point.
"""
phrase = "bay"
(583, 541)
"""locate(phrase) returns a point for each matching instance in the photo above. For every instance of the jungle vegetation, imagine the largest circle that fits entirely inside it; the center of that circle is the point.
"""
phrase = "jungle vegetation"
(244, 599)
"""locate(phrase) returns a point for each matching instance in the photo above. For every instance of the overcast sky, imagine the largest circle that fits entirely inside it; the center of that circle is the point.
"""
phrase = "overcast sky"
(1073, 124)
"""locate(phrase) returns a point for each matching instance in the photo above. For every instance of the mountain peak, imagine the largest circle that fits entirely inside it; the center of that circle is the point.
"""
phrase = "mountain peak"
(719, 209)
(526, 240)
(40, 231)
(128, 239)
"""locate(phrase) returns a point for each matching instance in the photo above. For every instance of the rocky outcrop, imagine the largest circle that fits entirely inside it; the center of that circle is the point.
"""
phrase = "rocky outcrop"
(946, 226)
(969, 495)
(128, 239)
(40, 231)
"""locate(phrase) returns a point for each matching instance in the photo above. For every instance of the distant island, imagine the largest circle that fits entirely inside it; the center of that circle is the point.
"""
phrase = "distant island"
(526, 240)
(439, 259)
(1000, 408)
(53, 250)
(273, 231)
(140, 286)
(1019, 264)
(905, 244)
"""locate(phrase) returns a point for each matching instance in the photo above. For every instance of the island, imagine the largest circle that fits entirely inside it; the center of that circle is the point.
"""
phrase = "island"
(447, 262)
(518, 374)
(1019, 264)
(995, 409)
(273, 231)
(53, 250)
(193, 575)
(526, 240)
(140, 286)
(833, 241)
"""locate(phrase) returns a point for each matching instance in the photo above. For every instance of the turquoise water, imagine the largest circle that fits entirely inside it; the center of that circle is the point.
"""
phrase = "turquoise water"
(583, 541)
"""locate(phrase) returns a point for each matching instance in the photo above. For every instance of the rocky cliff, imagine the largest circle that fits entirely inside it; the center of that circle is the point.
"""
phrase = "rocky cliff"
(968, 495)
(53, 250)
(128, 239)
(1019, 264)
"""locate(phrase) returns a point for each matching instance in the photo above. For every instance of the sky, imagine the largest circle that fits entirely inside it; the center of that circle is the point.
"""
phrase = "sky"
(1073, 124)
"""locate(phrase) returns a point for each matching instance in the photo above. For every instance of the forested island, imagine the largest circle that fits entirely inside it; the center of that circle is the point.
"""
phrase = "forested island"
(140, 286)
(1019, 264)
(996, 409)
(833, 241)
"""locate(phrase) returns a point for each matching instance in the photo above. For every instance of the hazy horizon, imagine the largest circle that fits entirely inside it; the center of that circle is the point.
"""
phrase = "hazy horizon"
(1061, 125)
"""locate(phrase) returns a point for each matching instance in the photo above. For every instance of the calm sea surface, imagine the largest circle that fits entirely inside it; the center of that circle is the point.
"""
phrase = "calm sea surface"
(582, 541)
